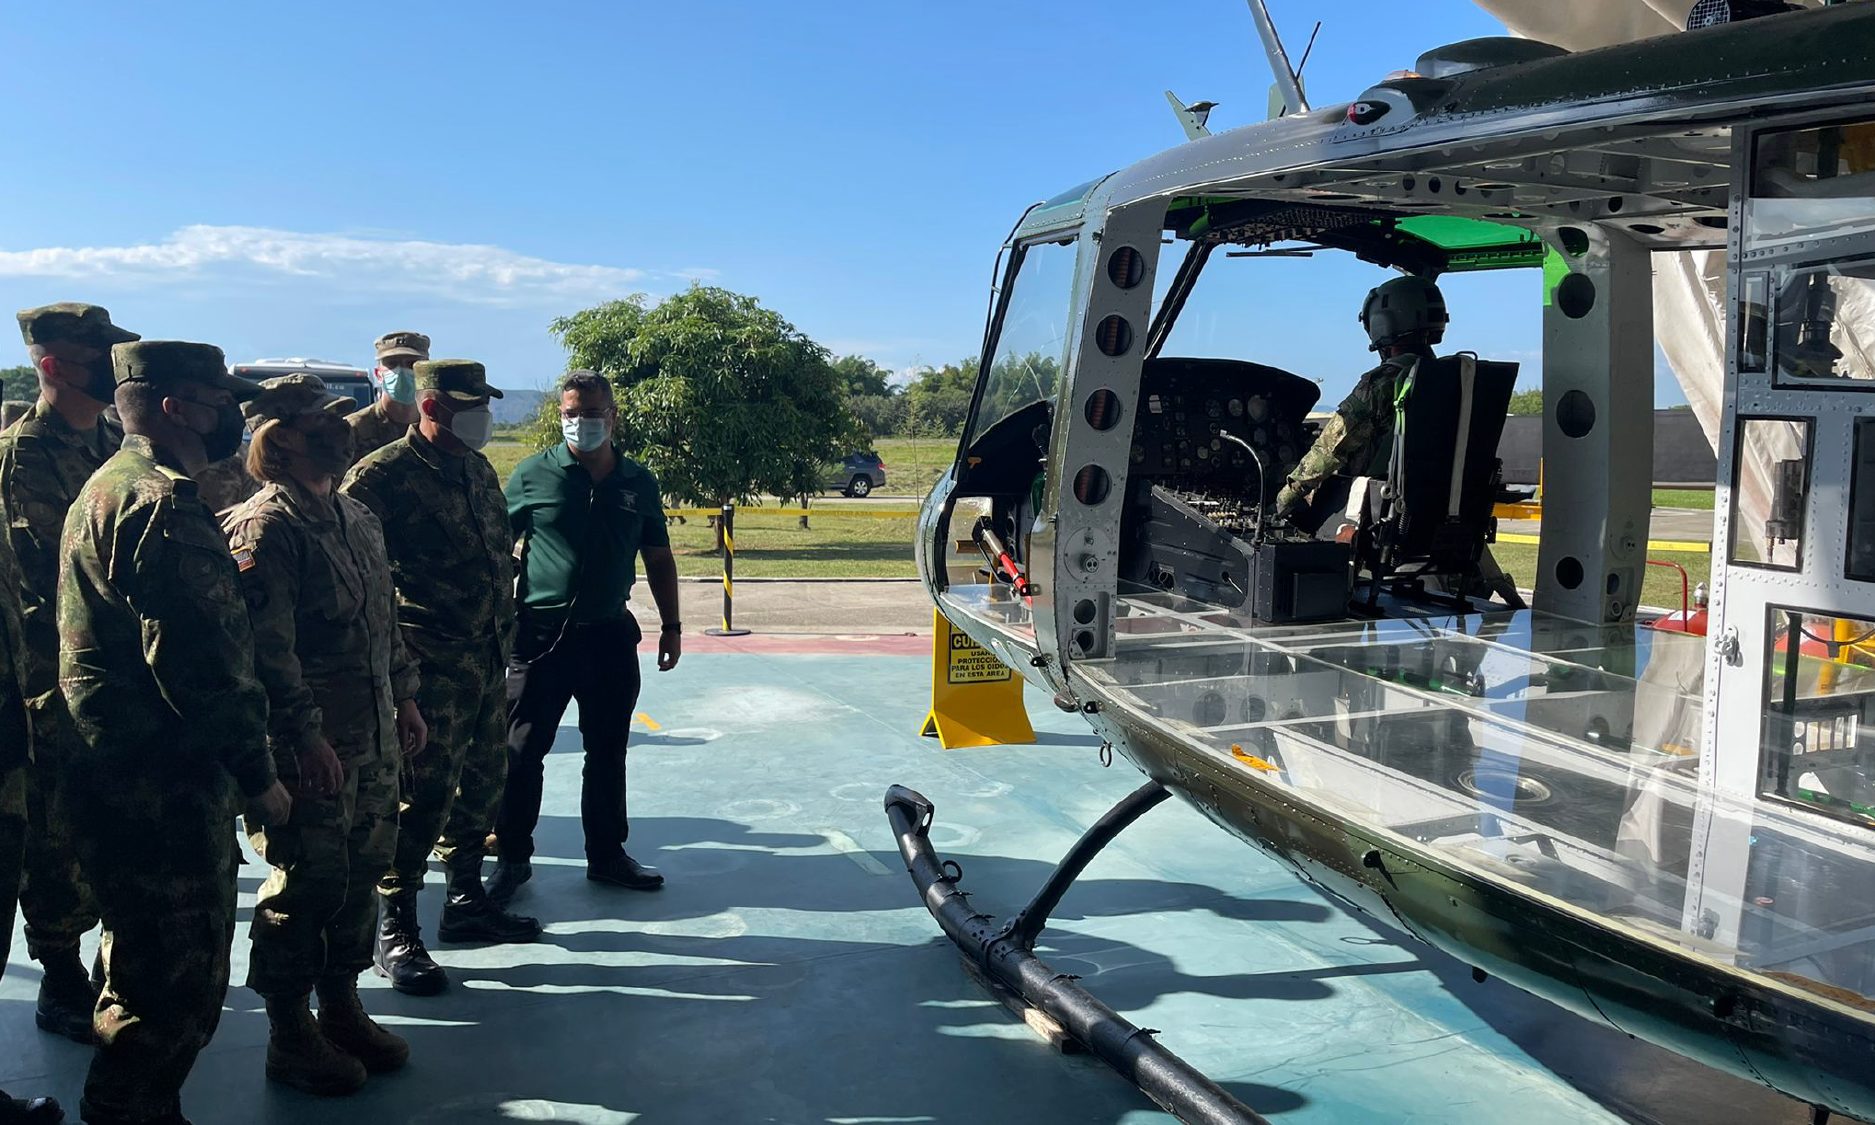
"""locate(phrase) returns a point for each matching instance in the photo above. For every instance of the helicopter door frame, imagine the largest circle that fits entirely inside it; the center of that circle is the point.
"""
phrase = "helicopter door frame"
(1750, 586)
(1113, 318)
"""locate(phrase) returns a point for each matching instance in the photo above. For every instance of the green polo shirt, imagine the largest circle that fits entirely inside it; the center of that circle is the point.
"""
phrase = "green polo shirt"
(582, 540)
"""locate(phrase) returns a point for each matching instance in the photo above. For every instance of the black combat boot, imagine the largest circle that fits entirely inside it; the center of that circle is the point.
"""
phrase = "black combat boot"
(507, 879)
(470, 915)
(400, 955)
(29, 1111)
(66, 997)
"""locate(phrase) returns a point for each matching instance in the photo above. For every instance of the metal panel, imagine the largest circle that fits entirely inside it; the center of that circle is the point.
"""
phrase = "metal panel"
(1598, 430)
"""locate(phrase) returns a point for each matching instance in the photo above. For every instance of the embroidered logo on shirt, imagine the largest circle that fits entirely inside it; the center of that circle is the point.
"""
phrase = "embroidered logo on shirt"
(628, 501)
(244, 559)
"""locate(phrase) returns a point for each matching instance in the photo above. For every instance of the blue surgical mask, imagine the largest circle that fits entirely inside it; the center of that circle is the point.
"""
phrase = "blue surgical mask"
(400, 385)
(586, 434)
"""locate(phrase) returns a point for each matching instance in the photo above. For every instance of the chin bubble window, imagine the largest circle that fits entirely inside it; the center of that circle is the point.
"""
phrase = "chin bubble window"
(1819, 746)
(1770, 485)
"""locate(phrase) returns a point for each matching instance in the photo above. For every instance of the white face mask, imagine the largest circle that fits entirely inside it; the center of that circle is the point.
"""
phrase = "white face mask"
(586, 434)
(400, 385)
(473, 426)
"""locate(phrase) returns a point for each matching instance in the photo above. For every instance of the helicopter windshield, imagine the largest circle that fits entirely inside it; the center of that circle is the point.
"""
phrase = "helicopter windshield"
(1031, 341)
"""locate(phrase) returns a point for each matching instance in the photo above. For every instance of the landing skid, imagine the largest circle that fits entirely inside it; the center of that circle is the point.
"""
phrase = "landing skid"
(1005, 954)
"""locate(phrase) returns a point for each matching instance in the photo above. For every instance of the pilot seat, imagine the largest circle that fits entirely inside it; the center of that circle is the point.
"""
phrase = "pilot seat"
(1432, 517)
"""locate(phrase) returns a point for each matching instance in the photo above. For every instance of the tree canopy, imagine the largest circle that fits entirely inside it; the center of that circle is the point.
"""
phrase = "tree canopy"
(937, 402)
(720, 397)
(1527, 402)
(21, 384)
(862, 377)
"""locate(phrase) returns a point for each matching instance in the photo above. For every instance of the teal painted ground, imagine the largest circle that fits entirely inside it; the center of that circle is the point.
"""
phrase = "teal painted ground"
(788, 974)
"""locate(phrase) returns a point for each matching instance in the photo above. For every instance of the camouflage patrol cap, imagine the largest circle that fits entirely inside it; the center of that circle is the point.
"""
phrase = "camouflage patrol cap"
(176, 361)
(461, 379)
(72, 321)
(403, 345)
(285, 397)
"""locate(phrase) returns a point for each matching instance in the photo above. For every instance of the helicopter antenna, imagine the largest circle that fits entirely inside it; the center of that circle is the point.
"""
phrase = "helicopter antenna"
(1191, 117)
(1287, 84)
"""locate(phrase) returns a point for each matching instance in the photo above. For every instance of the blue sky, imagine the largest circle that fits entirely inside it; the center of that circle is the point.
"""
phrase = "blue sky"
(295, 180)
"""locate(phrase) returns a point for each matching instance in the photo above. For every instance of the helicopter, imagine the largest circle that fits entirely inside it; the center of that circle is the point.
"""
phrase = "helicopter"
(1665, 823)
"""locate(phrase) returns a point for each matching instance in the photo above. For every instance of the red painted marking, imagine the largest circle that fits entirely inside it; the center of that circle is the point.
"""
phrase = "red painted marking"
(814, 644)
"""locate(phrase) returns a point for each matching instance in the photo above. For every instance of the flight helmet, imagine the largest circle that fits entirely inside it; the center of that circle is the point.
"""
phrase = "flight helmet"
(1402, 307)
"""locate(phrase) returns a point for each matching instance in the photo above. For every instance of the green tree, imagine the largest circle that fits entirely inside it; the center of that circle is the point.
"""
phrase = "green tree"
(881, 415)
(863, 377)
(1527, 402)
(21, 384)
(937, 402)
(720, 397)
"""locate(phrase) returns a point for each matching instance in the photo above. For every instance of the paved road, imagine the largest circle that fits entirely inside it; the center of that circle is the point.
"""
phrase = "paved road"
(1680, 524)
(824, 606)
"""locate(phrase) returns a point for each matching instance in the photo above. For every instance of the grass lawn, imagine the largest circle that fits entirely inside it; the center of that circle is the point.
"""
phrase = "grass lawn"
(777, 547)
(1699, 498)
(505, 454)
(1661, 588)
(913, 465)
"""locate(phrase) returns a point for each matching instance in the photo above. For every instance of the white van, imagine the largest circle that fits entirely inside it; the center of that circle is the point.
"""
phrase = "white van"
(341, 378)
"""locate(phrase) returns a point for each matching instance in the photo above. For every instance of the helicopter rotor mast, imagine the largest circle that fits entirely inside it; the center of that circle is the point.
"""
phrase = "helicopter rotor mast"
(1287, 83)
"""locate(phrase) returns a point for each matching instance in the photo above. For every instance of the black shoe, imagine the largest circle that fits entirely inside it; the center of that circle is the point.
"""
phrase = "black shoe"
(507, 879)
(400, 955)
(625, 872)
(471, 915)
(29, 1111)
(66, 999)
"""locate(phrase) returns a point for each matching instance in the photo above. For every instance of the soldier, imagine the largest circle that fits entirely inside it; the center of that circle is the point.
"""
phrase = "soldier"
(395, 411)
(16, 753)
(1404, 318)
(342, 715)
(447, 533)
(156, 665)
(45, 459)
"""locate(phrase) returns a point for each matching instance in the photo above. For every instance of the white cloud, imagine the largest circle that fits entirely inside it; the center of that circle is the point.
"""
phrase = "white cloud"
(460, 271)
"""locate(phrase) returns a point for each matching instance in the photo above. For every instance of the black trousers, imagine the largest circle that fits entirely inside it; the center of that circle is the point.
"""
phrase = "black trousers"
(596, 665)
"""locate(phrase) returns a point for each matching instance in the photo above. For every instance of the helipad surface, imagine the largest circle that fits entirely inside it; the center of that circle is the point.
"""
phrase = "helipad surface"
(788, 973)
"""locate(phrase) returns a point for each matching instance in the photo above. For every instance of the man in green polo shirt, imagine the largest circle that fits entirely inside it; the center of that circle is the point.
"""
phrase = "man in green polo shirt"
(584, 512)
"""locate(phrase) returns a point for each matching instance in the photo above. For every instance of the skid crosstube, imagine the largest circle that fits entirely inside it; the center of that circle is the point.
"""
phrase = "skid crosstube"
(1006, 954)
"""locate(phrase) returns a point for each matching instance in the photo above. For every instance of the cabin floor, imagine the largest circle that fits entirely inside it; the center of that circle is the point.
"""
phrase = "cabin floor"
(787, 973)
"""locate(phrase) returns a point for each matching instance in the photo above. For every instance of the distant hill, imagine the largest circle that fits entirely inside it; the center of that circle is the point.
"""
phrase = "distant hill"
(515, 406)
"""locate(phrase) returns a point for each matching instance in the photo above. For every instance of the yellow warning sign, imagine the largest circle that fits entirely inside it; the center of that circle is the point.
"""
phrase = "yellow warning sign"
(976, 700)
(967, 662)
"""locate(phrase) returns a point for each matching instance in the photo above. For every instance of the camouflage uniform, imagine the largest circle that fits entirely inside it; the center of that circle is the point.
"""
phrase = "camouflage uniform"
(156, 662)
(43, 464)
(327, 650)
(15, 748)
(373, 429)
(446, 527)
(225, 483)
(1358, 440)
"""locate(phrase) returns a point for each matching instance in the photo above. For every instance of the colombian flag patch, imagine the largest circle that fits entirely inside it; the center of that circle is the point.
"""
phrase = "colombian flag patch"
(244, 559)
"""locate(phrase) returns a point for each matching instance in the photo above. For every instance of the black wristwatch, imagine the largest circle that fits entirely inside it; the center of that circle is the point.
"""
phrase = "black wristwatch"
(671, 627)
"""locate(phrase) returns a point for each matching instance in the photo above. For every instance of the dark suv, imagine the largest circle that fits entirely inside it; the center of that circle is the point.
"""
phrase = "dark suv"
(858, 475)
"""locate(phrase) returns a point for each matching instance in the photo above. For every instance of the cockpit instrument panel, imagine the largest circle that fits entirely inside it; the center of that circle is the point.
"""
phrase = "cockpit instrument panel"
(1219, 425)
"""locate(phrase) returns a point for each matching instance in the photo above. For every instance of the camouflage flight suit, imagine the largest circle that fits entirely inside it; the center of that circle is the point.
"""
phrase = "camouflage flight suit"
(225, 483)
(373, 429)
(156, 663)
(326, 648)
(1357, 441)
(16, 750)
(43, 464)
(446, 527)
